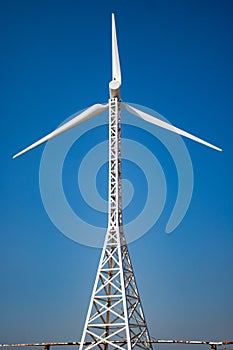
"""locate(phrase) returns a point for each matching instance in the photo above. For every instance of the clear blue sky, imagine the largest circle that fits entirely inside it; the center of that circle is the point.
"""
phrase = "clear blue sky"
(176, 59)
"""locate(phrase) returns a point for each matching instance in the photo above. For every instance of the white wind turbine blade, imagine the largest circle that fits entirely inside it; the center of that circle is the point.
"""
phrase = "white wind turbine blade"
(165, 125)
(80, 118)
(116, 69)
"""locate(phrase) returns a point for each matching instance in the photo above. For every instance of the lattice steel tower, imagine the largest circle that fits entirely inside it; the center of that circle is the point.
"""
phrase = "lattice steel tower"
(115, 312)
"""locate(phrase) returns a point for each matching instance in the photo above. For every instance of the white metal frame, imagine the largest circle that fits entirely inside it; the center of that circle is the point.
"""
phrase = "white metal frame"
(115, 318)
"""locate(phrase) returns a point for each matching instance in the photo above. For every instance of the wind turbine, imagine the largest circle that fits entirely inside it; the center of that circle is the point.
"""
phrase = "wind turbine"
(115, 318)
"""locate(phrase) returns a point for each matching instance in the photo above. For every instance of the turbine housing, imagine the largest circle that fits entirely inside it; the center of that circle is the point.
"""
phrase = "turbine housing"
(114, 89)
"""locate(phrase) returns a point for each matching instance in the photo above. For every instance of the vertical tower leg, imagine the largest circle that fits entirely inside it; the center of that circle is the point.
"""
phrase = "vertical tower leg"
(115, 318)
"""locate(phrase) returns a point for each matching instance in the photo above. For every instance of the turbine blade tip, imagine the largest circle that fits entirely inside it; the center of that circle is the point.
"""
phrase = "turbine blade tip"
(16, 155)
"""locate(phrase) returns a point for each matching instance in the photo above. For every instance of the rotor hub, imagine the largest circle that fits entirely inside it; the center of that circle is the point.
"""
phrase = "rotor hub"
(114, 87)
